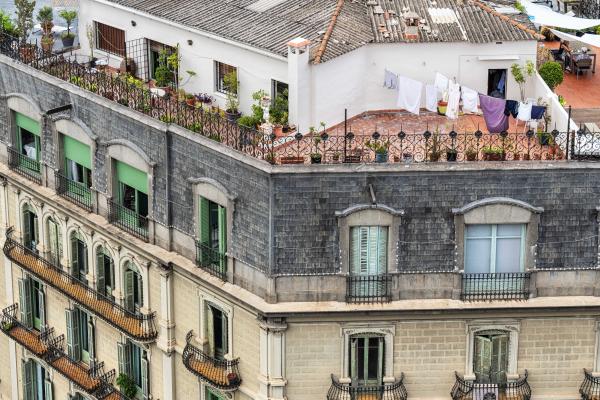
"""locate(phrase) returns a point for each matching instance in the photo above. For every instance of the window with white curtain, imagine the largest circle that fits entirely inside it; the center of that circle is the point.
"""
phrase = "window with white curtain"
(497, 248)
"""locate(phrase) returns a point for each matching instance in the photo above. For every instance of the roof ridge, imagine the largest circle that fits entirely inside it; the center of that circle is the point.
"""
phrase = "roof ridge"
(506, 18)
(328, 32)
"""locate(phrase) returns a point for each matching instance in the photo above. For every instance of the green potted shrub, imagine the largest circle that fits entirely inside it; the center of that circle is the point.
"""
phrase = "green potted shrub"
(231, 86)
(545, 138)
(435, 152)
(45, 18)
(24, 25)
(190, 100)
(552, 73)
(380, 148)
(163, 75)
(493, 153)
(68, 37)
(127, 385)
(451, 154)
(47, 43)
(471, 154)
(316, 157)
(6, 25)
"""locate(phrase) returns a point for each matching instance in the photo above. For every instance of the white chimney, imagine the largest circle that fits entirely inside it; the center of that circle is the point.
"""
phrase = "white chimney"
(299, 81)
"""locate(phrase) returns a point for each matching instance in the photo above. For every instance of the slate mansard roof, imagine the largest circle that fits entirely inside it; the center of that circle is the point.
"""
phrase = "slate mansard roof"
(336, 27)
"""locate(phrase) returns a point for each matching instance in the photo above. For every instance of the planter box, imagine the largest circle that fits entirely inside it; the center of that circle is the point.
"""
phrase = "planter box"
(292, 160)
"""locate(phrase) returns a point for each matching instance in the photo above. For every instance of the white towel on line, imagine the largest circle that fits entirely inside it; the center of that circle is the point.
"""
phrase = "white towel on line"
(470, 98)
(431, 98)
(524, 113)
(441, 84)
(453, 100)
(409, 94)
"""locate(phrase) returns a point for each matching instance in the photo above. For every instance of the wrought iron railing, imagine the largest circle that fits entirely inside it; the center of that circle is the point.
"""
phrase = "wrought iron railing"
(24, 166)
(211, 260)
(391, 391)
(140, 327)
(128, 220)
(495, 286)
(76, 192)
(368, 288)
(32, 340)
(590, 387)
(332, 146)
(220, 374)
(469, 390)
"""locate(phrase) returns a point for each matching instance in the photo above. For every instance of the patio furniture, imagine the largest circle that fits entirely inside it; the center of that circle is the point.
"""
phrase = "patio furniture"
(582, 63)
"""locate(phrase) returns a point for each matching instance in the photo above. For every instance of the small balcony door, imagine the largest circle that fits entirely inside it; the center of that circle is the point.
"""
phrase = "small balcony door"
(79, 258)
(368, 259)
(490, 357)
(30, 229)
(366, 360)
(218, 337)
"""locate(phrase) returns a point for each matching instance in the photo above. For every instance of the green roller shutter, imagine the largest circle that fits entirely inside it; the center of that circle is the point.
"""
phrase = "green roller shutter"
(77, 151)
(132, 177)
(204, 221)
(27, 123)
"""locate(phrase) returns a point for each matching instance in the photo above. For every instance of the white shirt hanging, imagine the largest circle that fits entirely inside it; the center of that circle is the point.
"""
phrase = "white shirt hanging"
(409, 94)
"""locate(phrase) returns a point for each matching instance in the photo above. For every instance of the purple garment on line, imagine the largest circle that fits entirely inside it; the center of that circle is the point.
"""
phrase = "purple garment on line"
(493, 113)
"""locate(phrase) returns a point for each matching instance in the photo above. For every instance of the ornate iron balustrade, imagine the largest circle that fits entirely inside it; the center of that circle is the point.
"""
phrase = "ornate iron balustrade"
(50, 348)
(139, 327)
(220, 374)
(469, 390)
(332, 146)
(211, 260)
(495, 286)
(590, 387)
(368, 288)
(24, 166)
(392, 391)
(128, 220)
(76, 192)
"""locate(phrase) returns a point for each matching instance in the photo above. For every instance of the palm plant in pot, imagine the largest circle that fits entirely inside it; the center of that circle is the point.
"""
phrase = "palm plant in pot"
(380, 148)
(230, 85)
(8, 30)
(68, 37)
(316, 157)
(45, 18)
(23, 27)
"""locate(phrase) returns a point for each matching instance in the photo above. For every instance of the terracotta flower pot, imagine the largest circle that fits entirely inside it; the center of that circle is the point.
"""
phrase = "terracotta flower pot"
(278, 130)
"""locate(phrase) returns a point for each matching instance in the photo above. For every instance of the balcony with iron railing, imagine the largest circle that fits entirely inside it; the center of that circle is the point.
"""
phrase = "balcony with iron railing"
(495, 286)
(368, 288)
(220, 374)
(128, 220)
(140, 327)
(24, 165)
(50, 348)
(590, 387)
(392, 391)
(470, 390)
(211, 260)
(76, 192)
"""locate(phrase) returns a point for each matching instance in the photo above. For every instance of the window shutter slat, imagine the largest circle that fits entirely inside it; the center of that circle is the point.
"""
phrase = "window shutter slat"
(145, 372)
(26, 302)
(100, 278)
(48, 389)
(129, 282)
(204, 219)
(41, 298)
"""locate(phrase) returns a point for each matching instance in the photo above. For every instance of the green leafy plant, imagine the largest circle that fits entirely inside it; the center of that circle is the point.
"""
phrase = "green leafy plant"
(562, 100)
(597, 30)
(435, 151)
(248, 121)
(379, 147)
(6, 24)
(492, 150)
(521, 73)
(69, 16)
(552, 73)
(24, 18)
(163, 74)
(127, 385)
(231, 86)
(520, 7)
(45, 17)
(278, 113)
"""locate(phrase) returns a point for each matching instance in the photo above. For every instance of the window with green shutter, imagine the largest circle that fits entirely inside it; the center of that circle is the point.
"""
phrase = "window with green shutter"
(28, 137)
(32, 303)
(212, 229)
(105, 273)
(78, 167)
(212, 394)
(217, 327)
(36, 383)
(133, 362)
(132, 194)
(79, 258)
(367, 359)
(54, 241)
(490, 356)
(368, 250)
(133, 289)
(30, 229)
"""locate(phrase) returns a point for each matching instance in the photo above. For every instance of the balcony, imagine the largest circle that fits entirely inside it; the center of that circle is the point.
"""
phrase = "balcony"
(137, 326)
(128, 220)
(24, 166)
(392, 391)
(590, 387)
(50, 348)
(220, 374)
(77, 193)
(368, 288)
(469, 390)
(211, 260)
(502, 286)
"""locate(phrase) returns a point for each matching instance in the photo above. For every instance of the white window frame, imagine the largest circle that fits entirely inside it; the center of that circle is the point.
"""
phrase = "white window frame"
(387, 331)
(206, 299)
(494, 239)
(512, 327)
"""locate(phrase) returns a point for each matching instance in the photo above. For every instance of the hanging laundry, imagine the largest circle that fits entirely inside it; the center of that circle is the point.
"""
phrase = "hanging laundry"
(493, 113)
(469, 99)
(441, 84)
(409, 94)
(511, 108)
(431, 98)
(537, 112)
(524, 111)
(390, 80)
(453, 100)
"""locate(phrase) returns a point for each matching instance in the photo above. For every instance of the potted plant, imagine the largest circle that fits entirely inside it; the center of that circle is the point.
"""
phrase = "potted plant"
(407, 158)
(127, 385)
(552, 73)
(451, 154)
(545, 138)
(316, 157)
(336, 156)
(190, 100)
(278, 114)
(24, 26)
(45, 17)
(47, 43)
(231, 86)
(471, 154)
(68, 37)
(7, 26)
(441, 107)
(435, 153)
(380, 149)
(493, 153)
(233, 378)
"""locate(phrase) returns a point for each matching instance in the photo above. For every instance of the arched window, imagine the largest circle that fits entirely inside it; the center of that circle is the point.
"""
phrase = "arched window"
(105, 272)
(54, 241)
(79, 257)
(31, 236)
(133, 289)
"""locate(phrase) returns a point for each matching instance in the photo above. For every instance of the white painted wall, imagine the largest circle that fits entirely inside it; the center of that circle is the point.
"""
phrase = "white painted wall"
(352, 81)
(255, 68)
